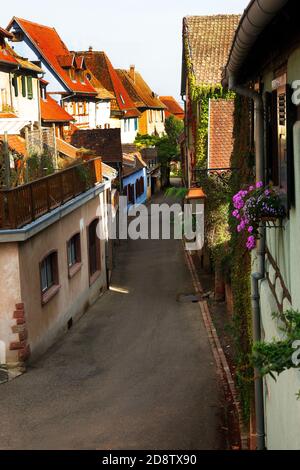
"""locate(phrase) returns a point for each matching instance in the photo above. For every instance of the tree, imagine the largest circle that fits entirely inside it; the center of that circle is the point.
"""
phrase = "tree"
(167, 145)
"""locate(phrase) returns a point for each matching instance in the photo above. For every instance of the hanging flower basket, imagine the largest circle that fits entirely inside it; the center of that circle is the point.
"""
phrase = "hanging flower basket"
(255, 205)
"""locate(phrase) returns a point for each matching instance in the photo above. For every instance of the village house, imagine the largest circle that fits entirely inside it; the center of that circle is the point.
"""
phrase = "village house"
(208, 110)
(134, 179)
(264, 67)
(124, 114)
(70, 83)
(173, 108)
(57, 225)
(19, 89)
(152, 119)
(149, 156)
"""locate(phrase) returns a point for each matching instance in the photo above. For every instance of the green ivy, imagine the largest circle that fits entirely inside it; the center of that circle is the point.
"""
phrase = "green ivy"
(276, 357)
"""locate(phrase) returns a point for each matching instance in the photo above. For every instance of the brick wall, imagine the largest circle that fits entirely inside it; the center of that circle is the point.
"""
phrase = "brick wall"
(221, 133)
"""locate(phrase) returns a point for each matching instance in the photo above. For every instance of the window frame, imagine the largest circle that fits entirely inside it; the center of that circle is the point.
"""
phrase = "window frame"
(93, 276)
(51, 290)
(75, 267)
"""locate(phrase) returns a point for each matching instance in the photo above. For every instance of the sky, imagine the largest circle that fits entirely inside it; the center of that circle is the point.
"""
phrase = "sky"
(131, 32)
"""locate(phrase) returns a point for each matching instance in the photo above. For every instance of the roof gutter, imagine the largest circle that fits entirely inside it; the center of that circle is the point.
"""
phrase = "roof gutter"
(257, 16)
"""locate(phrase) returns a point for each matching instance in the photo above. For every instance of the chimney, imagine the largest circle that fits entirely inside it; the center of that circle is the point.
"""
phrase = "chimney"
(132, 72)
(91, 49)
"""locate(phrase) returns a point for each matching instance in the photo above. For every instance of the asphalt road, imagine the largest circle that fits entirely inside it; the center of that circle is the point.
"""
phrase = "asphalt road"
(136, 372)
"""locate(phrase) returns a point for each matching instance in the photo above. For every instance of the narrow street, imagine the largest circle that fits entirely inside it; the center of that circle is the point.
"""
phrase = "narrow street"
(136, 372)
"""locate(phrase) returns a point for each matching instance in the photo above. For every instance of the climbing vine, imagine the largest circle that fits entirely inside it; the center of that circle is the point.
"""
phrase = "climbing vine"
(280, 355)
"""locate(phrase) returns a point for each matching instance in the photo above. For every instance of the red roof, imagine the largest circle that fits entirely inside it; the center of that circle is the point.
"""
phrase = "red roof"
(173, 107)
(16, 143)
(101, 67)
(6, 57)
(52, 112)
(55, 52)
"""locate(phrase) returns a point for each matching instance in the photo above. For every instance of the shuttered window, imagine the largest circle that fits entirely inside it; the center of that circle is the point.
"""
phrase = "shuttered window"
(280, 119)
(15, 85)
(29, 88)
(23, 82)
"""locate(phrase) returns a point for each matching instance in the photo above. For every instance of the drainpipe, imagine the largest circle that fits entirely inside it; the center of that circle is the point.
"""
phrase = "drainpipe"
(258, 276)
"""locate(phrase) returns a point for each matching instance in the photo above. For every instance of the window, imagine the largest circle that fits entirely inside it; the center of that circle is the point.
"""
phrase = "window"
(94, 251)
(74, 255)
(29, 88)
(4, 104)
(49, 277)
(140, 187)
(23, 83)
(135, 124)
(280, 117)
(162, 116)
(150, 116)
(130, 194)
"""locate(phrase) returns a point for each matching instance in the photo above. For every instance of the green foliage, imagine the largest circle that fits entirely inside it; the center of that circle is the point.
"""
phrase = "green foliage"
(216, 214)
(178, 193)
(238, 261)
(38, 166)
(174, 127)
(167, 145)
(276, 356)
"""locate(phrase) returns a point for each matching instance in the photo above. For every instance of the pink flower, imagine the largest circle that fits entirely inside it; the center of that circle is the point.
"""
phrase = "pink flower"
(250, 229)
(251, 243)
(251, 188)
(235, 213)
(259, 184)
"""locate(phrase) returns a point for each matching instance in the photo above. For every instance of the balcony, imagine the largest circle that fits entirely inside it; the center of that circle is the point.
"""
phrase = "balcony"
(24, 204)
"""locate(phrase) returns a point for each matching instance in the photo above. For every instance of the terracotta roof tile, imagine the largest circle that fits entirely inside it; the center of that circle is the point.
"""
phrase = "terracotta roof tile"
(106, 143)
(52, 112)
(16, 144)
(132, 163)
(55, 52)
(101, 67)
(209, 39)
(139, 90)
(173, 107)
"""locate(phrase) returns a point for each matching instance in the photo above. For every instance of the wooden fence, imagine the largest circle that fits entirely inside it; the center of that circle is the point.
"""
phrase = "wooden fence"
(24, 204)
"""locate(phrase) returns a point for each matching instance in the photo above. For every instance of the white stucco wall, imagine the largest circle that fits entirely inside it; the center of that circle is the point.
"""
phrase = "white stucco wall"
(128, 132)
(26, 109)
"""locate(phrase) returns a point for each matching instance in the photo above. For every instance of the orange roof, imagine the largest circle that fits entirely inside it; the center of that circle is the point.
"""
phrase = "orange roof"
(139, 90)
(7, 57)
(52, 112)
(101, 67)
(16, 144)
(49, 44)
(173, 107)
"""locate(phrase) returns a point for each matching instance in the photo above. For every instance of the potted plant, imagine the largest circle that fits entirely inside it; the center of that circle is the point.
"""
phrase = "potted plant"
(256, 204)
